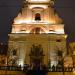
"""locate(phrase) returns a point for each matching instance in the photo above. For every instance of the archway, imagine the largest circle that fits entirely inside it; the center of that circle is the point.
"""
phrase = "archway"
(37, 30)
(36, 56)
(37, 17)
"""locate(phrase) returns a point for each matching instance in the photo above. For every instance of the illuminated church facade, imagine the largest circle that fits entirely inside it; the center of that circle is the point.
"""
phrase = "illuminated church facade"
(37, 35)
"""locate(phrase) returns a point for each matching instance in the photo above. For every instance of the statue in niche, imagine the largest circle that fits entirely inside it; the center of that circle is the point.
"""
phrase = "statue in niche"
(36, 50)
(36, 55)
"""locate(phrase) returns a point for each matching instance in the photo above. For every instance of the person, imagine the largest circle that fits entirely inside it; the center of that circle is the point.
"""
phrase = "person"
(53, 68)
(44, 69)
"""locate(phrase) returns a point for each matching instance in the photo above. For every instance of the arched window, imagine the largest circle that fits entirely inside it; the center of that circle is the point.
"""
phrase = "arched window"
(36, 30)
(37, 17)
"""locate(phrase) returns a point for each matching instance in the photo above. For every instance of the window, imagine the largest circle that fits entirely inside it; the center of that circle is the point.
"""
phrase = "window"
(37, 17)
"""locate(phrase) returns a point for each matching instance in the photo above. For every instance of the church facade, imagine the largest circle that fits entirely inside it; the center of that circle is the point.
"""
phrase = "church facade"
(37, 35)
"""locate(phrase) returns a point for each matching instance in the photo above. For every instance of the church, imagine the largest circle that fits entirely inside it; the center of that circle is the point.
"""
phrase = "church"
(37, 36)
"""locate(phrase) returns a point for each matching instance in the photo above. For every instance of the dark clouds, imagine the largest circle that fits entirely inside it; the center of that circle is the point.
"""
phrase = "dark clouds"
(10, 8)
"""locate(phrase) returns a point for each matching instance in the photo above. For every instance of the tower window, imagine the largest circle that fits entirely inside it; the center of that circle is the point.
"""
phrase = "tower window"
(37, 17)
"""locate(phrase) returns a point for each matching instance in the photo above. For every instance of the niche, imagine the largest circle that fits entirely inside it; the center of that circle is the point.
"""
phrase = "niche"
(37, 17)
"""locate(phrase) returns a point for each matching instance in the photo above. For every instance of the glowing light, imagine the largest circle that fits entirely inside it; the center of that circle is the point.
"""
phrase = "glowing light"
(60, 31)
(27, 31)
(38, 0)
(41, 6)
(74, 70)
(54, 63)
(65, 36)
(29, 22)
(56, 31)
(21, 21)
(52, 21)
(18, 22)
(21, 63)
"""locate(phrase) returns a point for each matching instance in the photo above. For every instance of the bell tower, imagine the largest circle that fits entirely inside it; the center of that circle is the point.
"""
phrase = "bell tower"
(37, 24)
(38, 15)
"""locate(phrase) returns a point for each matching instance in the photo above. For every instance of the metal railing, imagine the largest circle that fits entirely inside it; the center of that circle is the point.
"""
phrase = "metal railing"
(50, 69)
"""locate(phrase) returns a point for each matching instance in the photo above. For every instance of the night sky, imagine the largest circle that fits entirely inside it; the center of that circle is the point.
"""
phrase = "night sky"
(10, 8)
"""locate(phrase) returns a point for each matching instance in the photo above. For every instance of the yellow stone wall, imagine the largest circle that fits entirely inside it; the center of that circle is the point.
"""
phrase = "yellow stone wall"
(24, 42)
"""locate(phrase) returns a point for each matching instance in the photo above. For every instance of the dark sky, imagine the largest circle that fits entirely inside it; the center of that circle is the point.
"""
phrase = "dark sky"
(10, 8)
(66, 10)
